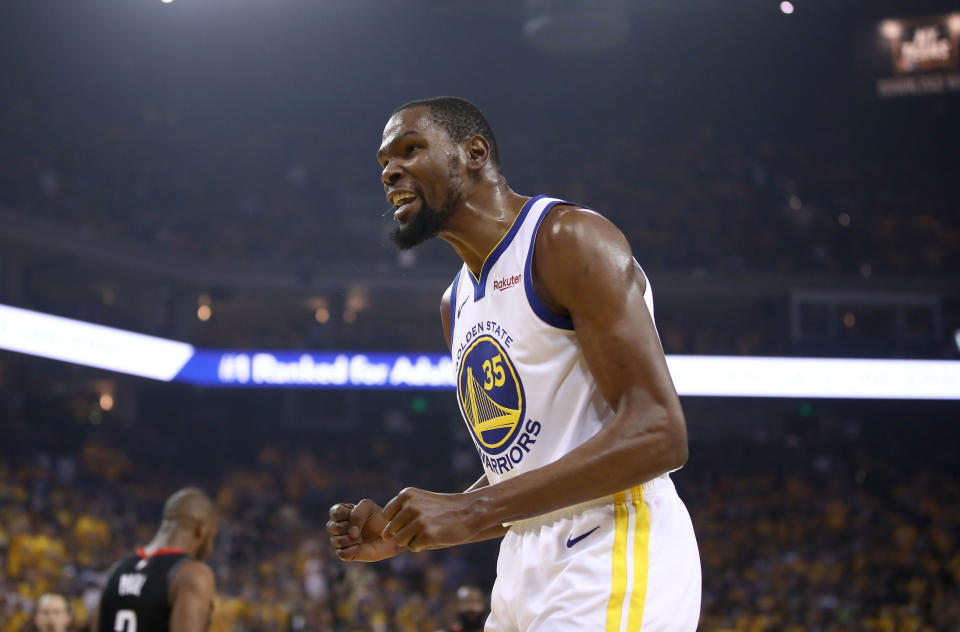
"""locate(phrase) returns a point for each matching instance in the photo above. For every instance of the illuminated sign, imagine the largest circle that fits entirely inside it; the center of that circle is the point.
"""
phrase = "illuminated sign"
(300, 369)
(839, 378)
(925, 54)
(91, 345)
(924, 47)
(74, 341)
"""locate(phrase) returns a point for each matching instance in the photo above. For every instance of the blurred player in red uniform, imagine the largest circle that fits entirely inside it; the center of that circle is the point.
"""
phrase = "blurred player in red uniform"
(165, 586)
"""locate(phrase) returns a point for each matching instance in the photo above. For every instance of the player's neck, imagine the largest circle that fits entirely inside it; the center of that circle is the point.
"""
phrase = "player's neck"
(485, 216)
(170, 539)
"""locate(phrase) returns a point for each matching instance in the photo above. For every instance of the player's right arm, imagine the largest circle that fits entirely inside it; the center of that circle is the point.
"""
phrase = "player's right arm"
(191, 597)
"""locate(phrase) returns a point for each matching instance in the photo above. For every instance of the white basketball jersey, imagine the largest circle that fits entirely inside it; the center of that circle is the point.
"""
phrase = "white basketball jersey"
(523, 385)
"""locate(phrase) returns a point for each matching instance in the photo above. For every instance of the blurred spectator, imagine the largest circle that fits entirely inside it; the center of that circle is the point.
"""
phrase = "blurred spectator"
(53, 613)
(471, 610)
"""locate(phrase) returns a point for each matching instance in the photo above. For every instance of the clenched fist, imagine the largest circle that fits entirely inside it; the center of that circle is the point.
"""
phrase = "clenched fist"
(355, 532)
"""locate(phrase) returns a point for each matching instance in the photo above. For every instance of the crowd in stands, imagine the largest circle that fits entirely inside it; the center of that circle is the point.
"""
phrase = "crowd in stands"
(700, 200)
(826, 525)
(67, 518)
(703, 200)
(827, 535)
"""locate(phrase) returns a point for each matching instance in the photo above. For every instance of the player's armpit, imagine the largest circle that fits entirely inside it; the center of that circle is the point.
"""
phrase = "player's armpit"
(191, 597)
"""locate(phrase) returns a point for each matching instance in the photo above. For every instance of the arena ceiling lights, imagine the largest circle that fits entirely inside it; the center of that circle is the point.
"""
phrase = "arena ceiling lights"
(68, 340)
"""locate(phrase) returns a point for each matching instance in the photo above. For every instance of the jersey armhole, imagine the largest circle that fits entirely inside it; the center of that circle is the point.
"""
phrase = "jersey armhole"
(544, 313)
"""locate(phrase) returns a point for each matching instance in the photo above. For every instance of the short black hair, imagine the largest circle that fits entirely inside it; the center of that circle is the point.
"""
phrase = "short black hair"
(461, 118)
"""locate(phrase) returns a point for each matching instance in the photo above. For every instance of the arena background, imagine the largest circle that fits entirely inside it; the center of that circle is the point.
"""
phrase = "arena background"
(203, 171)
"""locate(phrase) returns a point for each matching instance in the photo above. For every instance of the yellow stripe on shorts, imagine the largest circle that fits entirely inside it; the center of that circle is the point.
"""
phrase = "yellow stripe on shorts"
(641, 558)
(619, 579)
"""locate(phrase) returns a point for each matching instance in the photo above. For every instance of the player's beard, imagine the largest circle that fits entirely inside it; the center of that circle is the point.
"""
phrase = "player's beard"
(429, 221)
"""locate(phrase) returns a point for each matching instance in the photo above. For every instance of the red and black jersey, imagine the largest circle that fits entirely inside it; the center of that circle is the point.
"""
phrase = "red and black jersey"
(136, 597)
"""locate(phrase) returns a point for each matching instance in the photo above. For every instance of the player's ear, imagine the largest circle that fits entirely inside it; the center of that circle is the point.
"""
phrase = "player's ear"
(478, 152)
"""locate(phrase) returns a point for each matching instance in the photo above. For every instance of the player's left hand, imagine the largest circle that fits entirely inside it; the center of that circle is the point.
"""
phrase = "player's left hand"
(421, 520)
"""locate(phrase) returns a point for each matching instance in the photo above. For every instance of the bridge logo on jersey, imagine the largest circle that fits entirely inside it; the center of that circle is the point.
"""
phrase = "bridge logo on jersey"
(490, 395)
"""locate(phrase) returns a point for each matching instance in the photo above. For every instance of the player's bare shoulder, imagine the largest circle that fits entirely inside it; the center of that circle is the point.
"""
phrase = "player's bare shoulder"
(193, 576)
(577, 248)
(569, 229)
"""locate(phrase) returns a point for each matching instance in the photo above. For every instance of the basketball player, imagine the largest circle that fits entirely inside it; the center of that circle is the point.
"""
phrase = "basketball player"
(165, 586)
(53, 613)
(564, 388)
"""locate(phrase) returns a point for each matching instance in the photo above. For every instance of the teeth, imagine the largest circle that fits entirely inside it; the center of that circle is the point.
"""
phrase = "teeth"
(396, 198)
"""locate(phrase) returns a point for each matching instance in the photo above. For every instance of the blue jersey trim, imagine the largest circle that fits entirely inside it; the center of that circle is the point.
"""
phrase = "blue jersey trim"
(453, 303)
(480, 286)
(545, 314)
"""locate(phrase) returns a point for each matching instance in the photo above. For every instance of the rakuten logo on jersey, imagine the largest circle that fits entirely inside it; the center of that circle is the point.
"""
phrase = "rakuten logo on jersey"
(506, 283)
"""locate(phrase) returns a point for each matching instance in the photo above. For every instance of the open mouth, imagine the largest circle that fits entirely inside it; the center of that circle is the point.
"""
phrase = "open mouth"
(403, 202)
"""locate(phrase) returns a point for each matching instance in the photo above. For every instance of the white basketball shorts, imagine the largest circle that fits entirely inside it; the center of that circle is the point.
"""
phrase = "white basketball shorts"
(623, 563)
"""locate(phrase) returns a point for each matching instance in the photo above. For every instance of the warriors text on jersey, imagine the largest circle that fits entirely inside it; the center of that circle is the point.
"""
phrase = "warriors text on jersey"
(523, 384)
(136, 596)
